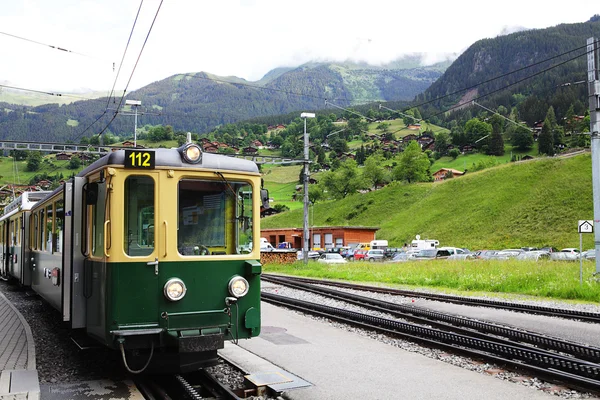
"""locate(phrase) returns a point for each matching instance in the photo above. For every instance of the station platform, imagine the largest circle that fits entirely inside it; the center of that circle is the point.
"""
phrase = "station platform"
(304, 358)
(18, 376)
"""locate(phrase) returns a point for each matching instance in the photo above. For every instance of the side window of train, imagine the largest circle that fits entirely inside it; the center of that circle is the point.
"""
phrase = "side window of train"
(42, 225)
(139, 216)
(96, 217)
(48, 230)
(34, 230)
(244, 212)
(59, 221)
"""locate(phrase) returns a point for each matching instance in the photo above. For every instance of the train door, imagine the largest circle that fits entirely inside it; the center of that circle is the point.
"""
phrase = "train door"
(141, 244)
(95, 225)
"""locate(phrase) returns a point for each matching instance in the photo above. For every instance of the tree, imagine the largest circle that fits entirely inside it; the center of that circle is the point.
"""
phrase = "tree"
(74, 163)
(496, 147)
(442, 140)
(476, 129)
(374, 173)
(343, 181)
(454, 153)
(34, 159)
(546, 140)
(522, 138)
(413, 165)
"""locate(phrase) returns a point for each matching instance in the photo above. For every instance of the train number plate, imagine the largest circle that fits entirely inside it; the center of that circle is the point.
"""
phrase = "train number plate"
(143, 159)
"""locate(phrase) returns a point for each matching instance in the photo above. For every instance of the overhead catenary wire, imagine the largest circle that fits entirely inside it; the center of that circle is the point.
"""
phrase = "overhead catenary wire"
(134, 68)
(46, 45)
(507, 86)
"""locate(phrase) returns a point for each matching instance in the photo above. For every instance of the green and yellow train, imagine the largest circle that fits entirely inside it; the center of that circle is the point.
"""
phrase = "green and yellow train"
(153, 253)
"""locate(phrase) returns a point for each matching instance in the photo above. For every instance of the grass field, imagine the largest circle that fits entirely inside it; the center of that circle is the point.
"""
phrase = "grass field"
(509, 278)
(535, 203)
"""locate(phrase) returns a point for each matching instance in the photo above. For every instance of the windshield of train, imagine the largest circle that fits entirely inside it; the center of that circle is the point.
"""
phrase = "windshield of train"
(214, 217)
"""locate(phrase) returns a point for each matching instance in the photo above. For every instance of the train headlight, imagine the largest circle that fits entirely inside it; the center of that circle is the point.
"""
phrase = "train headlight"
(174, 289)
(191, 153)
(238, 286)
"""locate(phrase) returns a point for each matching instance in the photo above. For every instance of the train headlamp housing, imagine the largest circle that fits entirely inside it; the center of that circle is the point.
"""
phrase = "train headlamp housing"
(191, 153)
(174, 289)
(238, 287)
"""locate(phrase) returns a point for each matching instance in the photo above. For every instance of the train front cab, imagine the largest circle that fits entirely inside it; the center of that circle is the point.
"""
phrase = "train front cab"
(169, 271)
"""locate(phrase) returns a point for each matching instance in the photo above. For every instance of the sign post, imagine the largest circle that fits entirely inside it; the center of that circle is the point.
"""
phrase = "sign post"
(584, 226)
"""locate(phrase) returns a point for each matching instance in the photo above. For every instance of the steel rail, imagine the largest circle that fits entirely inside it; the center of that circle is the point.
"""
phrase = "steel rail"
(525, 308)
(455, 323)
(572, 372)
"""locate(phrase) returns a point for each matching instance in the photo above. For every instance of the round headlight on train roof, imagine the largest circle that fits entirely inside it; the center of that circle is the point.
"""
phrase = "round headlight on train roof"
(174, 289)
(238, 286)
(191, 153)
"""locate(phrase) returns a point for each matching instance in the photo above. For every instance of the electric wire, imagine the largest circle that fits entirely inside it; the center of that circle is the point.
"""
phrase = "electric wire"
(124, 53)
(45, 45)
(44, 92)
(508, 85)
(134, 68)
(497, 77)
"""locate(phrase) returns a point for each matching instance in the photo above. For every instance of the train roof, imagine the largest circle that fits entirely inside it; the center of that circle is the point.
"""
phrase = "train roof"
(172, 158)
(25, 201)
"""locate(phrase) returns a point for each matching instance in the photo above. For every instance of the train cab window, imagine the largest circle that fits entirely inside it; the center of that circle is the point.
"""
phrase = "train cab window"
(59, 222)
(210, 214)
(139, 216)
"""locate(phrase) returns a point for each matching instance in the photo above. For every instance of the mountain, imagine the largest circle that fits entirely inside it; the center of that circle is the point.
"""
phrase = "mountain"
(198, 102)
(548, 63)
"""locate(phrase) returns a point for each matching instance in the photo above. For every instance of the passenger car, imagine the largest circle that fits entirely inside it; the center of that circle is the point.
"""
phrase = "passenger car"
(432, 254)
(312, 255)
(358, 255)
(374, 255)
(534, 255)
(331, 258)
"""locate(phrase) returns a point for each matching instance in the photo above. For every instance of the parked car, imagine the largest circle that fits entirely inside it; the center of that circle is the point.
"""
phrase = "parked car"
(374, 255)
(460, 257)
(589, 254)
(312, 255)
(529, 248)
(564, 256)
(549, 249)
(402, 256)
(535, 255)
(358, 255)
(485, 254)
(390, 252)
(455, 250)
(432, 254)
(331, 258)
(571, 250)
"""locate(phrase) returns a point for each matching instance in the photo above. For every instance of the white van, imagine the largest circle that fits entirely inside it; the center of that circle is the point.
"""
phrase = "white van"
(265, 245)
(379, 244)
(426, 244)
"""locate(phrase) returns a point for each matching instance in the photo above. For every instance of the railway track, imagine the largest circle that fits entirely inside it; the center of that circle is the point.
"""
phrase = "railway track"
(503, 305)
(191, 386)
(553, 359)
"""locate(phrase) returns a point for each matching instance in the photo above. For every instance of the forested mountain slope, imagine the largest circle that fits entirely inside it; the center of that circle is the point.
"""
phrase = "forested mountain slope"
(198, 102)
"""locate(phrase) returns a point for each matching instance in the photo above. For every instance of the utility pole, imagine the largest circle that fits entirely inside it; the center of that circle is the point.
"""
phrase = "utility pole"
(306, 178)
(594, 97)
(135, 104)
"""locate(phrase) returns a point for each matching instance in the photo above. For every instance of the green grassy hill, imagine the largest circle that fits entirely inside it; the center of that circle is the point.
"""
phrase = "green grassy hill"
(533, 203)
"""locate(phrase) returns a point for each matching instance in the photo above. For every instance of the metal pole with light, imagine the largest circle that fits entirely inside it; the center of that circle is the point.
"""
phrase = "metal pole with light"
(135, 104)
(306, 175)
(593, 58)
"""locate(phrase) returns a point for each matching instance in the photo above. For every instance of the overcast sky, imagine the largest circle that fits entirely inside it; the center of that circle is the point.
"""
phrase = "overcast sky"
(245, 38)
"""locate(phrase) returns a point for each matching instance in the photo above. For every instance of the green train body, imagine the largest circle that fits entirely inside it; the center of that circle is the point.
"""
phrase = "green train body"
(150, 252)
